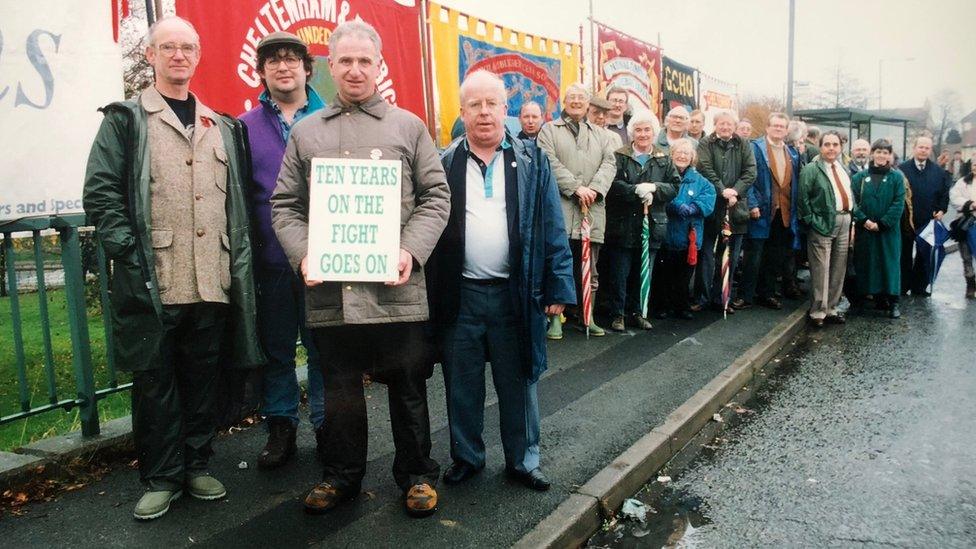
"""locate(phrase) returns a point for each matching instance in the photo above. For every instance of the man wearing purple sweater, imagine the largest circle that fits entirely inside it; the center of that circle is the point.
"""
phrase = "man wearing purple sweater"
(284, 65)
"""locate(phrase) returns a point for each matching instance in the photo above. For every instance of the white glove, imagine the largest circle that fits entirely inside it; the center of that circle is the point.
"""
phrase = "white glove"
(643, 190)
(648, 199)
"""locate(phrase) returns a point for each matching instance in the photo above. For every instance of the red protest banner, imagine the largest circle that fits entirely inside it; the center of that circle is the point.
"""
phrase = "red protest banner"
(227, 78)
(631, 64)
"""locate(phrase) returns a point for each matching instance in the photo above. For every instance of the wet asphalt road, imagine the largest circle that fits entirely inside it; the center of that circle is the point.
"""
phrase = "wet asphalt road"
(865, 437)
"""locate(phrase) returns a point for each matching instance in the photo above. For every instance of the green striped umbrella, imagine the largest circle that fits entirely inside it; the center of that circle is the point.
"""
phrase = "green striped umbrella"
(645, 287)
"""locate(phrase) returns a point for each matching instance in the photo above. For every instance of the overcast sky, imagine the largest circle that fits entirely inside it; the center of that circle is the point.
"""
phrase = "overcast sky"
(745, 41)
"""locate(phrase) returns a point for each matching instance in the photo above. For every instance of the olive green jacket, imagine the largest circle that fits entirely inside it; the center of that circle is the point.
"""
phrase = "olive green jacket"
(816, 204)
(117, 200)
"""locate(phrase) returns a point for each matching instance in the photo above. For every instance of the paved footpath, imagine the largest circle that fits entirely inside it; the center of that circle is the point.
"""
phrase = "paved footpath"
(598, 397)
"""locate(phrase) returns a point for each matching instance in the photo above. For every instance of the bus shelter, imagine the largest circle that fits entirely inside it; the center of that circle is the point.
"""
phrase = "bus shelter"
(861, 124)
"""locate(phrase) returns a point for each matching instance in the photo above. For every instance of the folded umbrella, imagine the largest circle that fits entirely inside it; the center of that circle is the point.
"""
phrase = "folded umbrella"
(930, 242)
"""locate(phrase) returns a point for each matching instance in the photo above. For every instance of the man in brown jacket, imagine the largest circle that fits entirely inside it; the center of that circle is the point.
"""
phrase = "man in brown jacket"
(358, 326)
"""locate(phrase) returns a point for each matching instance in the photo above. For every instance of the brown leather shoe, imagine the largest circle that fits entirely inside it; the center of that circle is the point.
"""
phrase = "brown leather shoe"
(420, 500)
(324, 496)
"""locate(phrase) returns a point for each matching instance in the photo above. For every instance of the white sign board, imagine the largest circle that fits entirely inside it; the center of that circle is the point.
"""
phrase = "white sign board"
(354, 220)
(58, 65)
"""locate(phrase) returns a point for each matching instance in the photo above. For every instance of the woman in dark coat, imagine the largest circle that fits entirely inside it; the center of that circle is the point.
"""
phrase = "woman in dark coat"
(879, 200)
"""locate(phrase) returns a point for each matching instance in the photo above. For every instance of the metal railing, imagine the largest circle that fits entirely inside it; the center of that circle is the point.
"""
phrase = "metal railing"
(85, 393)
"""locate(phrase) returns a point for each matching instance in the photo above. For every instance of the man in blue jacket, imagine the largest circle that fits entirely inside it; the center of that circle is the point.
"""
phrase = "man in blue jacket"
(772, 229)
(502, 264)
(930, 199)
(284, 65)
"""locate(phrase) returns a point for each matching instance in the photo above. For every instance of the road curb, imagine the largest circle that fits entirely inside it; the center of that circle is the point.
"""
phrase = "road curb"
(582, 513)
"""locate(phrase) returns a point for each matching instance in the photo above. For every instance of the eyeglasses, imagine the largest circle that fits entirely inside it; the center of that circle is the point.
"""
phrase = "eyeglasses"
(618, 100)
(169, 49)
(290, 62)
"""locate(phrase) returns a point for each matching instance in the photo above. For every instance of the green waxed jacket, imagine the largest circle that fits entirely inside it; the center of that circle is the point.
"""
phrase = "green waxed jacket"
(728, 165)
(816, 205)
(117, 201)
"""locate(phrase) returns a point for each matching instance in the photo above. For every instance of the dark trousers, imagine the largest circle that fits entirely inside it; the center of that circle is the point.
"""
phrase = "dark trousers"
(281, 320)
(623, 270)
(487, 329)
(706, 263)
(914, 268)
(173, 422)
(576, 247)
(765, 260)
(676, 276)
(397, 354)
(734, 244)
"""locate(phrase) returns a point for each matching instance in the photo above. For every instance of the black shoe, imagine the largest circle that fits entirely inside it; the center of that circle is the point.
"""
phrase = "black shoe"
(835, 319)
(793, 292)
(661, 315)
(459, 472)
(816, 322)
(684, 315)
(320, 443)
(281, 443)
(894, 312)
(534, 479)
(770, 303)
(740, 304)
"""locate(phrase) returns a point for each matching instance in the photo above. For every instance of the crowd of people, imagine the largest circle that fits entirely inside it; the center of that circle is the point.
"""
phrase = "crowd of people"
(206, 220)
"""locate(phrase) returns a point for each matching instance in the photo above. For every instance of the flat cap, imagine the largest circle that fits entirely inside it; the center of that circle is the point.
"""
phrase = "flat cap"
(282, 39)
(600, 103)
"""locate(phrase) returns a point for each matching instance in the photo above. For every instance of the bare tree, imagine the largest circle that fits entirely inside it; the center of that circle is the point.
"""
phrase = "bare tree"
(946, 111)
(841, 89)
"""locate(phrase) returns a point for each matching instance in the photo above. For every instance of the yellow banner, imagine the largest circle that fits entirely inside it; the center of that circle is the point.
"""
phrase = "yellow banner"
(534, 68)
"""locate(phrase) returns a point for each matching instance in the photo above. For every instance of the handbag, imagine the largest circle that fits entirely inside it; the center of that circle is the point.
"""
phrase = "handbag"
(960, 226)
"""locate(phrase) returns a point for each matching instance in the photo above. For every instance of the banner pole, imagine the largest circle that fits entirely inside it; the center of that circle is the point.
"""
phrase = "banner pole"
(592, 49)
(582, 62)
(427, 75)
(150, 13)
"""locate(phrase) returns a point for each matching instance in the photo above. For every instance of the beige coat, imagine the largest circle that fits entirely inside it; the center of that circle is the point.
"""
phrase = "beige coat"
(188, 191)
(583, 161)
(341, 131)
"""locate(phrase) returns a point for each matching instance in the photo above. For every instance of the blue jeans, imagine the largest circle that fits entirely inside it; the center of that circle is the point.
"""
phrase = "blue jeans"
(486, 328)
(281, 320)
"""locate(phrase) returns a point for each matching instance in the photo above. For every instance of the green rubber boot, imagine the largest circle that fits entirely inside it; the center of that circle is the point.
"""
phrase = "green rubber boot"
(596, 331)
(555, 327)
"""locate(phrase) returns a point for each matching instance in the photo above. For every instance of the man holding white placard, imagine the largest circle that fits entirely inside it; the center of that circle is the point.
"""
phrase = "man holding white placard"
(366, 298)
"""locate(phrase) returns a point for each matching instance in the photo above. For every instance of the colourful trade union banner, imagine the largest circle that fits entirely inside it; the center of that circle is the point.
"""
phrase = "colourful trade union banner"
(534, 68)
(227, 77)
(678, 85)
(631, 64)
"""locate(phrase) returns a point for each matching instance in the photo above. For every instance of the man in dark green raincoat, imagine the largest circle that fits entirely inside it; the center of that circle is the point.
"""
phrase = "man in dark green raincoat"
(164, 190)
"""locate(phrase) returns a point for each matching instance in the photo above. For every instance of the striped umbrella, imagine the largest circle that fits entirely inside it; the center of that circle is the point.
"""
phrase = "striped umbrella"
(585, 268)
(726, 266)
(645, 287)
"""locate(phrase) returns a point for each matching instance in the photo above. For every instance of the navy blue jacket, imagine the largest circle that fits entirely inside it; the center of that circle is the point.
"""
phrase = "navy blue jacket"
(761, 193)
(930, 190)
(540, 260)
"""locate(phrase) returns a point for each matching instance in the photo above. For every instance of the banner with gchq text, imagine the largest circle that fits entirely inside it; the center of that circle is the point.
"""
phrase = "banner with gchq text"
(227, 78)
(678, 85)
(631, 64)
(58, 64)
